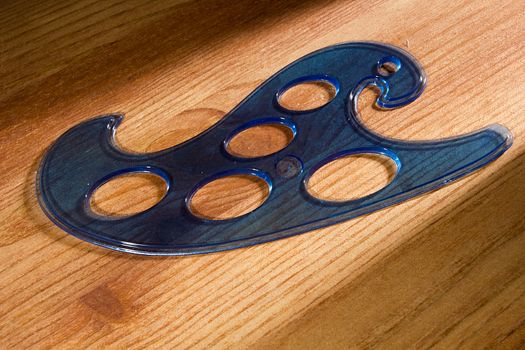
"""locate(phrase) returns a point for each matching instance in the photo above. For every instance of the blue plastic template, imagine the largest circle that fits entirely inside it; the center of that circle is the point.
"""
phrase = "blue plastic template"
(86, 157)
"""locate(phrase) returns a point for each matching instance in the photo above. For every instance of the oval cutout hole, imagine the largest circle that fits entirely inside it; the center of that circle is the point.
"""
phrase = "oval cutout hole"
(229, 197)
(307, 95)
(351, 177)
(128, 194)
(388, 66)
(260, 140)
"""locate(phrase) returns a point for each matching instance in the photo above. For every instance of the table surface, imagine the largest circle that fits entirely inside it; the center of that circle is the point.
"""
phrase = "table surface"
(444, 270)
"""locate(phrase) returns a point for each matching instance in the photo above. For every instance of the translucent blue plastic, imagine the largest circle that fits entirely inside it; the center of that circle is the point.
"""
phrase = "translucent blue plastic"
(86, 156)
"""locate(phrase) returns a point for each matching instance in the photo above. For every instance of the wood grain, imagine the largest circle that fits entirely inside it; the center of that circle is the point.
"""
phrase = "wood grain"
(128, 194)
(445, 270)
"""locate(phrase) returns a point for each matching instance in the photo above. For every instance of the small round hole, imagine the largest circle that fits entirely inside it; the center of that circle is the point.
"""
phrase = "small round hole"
(128, 194)
(229, 197)
(388, 66)
(307, 95)
(350, 177)
(261, 139)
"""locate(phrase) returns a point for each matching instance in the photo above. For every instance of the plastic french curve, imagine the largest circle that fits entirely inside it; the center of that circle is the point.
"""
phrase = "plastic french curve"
(86, 156)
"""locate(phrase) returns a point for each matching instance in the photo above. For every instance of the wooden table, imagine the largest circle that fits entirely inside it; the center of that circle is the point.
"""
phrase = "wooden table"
(445, 270)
